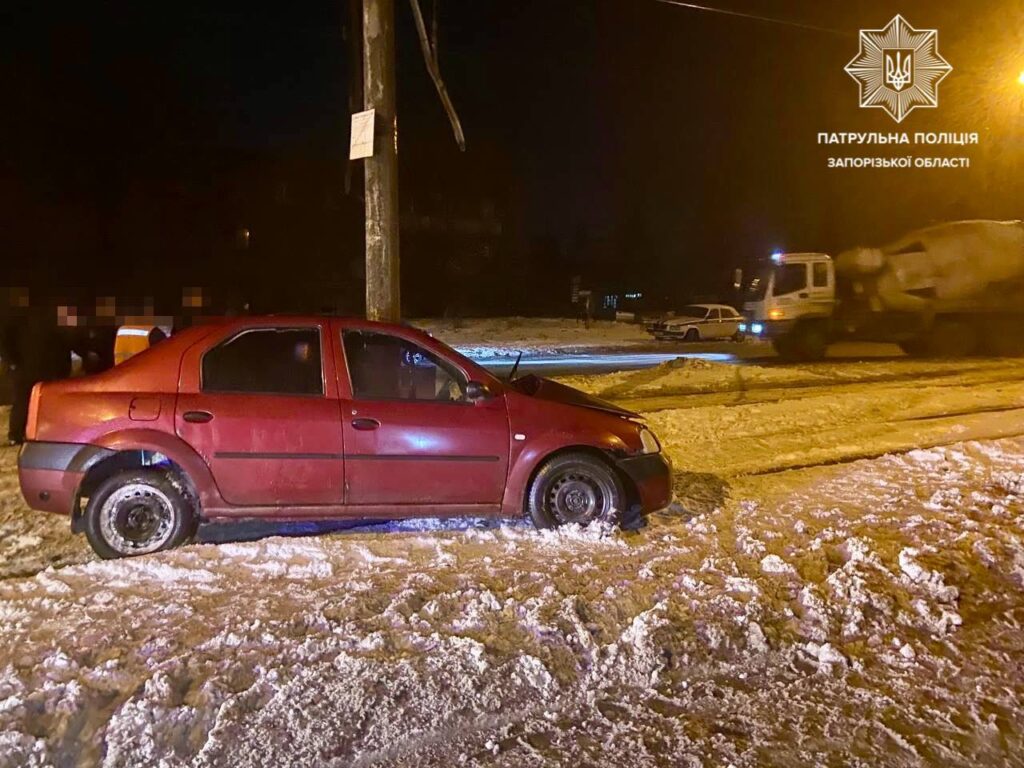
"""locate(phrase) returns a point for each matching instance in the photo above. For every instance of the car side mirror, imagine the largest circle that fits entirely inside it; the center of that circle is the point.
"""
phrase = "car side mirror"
(477, 390)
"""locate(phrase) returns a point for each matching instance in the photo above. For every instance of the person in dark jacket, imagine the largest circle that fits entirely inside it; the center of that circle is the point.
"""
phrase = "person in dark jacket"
(34, 350)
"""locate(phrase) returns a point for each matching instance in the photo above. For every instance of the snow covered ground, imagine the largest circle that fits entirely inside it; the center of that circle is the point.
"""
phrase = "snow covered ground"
(491, 338)
(839, 583)
(485, 338)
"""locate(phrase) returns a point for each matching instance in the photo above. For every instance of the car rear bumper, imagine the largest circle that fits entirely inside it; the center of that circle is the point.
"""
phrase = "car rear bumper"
(652, 476)
(50, 473)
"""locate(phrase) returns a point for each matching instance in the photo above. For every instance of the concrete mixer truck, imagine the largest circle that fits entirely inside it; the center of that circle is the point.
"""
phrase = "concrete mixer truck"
(948, 290)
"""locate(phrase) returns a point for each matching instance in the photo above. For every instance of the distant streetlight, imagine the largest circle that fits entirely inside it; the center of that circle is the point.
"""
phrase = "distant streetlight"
(1020, 78)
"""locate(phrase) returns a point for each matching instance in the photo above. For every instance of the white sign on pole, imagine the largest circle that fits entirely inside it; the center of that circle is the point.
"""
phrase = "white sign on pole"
(362, 135)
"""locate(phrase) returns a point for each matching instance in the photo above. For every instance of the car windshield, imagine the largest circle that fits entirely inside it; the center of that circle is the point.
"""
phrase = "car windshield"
(694, 310)
(758, 285)
(789, 278)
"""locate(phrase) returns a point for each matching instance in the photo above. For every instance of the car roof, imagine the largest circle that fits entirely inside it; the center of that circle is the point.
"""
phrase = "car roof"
(798, 258)
(243, 320)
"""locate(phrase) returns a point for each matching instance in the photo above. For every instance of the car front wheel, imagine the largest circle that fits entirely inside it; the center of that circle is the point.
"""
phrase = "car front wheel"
(137, 512)
(575, 488)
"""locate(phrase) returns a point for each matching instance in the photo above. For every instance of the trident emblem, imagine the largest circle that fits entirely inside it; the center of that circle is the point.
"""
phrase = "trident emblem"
(898, 69)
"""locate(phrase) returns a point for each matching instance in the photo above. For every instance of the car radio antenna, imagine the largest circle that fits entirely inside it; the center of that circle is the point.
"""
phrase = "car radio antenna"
(512, 373)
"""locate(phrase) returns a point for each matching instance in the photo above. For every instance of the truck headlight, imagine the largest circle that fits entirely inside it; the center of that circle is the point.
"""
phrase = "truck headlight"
(757, 329)
(743, 327)
(648, 442)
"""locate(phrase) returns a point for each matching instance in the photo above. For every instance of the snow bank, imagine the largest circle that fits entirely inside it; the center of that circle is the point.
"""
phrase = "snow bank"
(859, 612)
(871, 602)
(482, 339)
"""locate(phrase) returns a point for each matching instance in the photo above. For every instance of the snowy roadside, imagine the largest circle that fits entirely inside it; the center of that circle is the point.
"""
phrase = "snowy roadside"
(865, 614)
(489, 340)
(856, 612)
(484, 339)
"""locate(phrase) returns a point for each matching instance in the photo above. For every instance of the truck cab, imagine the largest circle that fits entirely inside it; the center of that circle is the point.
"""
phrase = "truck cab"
(791, 301)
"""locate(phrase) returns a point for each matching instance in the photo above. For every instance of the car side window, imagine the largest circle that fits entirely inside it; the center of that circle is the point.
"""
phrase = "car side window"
(820, 276)
(386, 367)
(715, 314)
(790, 278)
(273, 361)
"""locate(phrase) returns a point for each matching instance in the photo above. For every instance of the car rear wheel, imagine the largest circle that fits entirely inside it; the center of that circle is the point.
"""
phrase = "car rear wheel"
(575, 488)
(137, 512)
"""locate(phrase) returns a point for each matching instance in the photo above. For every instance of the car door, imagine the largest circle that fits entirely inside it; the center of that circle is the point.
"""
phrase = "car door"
(714, 324)
(412, 436)
(730, 322)
(822, 290)
(260, 406)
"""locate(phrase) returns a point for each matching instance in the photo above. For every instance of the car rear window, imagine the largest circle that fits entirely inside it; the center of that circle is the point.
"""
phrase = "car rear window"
(276, 361)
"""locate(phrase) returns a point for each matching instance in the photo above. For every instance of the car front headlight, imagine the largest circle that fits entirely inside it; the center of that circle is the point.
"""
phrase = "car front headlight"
(648, 442)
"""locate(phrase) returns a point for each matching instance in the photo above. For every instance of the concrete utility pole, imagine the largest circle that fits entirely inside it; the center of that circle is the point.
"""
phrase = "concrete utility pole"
(383, 299)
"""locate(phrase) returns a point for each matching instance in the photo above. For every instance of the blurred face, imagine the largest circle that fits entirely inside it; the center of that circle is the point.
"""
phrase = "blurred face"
(67, 316)
(19, 297)
(192, 298)
(106, 308)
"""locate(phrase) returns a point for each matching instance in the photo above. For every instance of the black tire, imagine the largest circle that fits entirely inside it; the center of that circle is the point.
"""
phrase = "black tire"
(813, 343)
(998, 342)
(805, 344)
(785, 347)
(915, 347)
(692, 334)
(950, 338)
(138, 512)
(575, 488)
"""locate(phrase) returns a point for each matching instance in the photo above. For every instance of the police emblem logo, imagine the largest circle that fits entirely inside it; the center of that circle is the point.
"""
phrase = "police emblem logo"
(898, 68)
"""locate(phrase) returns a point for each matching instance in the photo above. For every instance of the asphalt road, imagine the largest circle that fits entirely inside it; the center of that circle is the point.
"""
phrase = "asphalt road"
(610, 360)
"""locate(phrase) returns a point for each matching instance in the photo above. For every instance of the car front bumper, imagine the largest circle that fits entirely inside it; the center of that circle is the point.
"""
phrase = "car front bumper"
(768, 329)
(651, 474)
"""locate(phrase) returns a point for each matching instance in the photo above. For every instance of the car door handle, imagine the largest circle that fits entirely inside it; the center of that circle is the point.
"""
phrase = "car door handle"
(805, 295)
(365, 425)
(197, 417)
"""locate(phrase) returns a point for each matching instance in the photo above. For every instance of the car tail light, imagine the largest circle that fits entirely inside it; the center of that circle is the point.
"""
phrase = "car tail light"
(32, 425)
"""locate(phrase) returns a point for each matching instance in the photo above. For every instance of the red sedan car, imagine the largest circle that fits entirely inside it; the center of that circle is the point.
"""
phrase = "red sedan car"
(312, 418)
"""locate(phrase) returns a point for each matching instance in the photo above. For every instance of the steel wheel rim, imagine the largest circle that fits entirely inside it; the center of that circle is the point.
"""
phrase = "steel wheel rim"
(137, 519)
(575, 496)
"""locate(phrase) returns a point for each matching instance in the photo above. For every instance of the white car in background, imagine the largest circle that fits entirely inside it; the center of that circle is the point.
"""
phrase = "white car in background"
(699, 322)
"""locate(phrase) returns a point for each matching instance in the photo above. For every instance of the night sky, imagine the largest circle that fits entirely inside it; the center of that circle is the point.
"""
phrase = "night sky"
(639, 144)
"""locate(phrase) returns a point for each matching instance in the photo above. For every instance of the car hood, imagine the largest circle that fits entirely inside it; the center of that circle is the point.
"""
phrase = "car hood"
(682, 320)
(546, 389)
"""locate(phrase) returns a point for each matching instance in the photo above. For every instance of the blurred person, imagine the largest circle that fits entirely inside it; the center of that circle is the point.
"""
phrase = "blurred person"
(34, 350)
